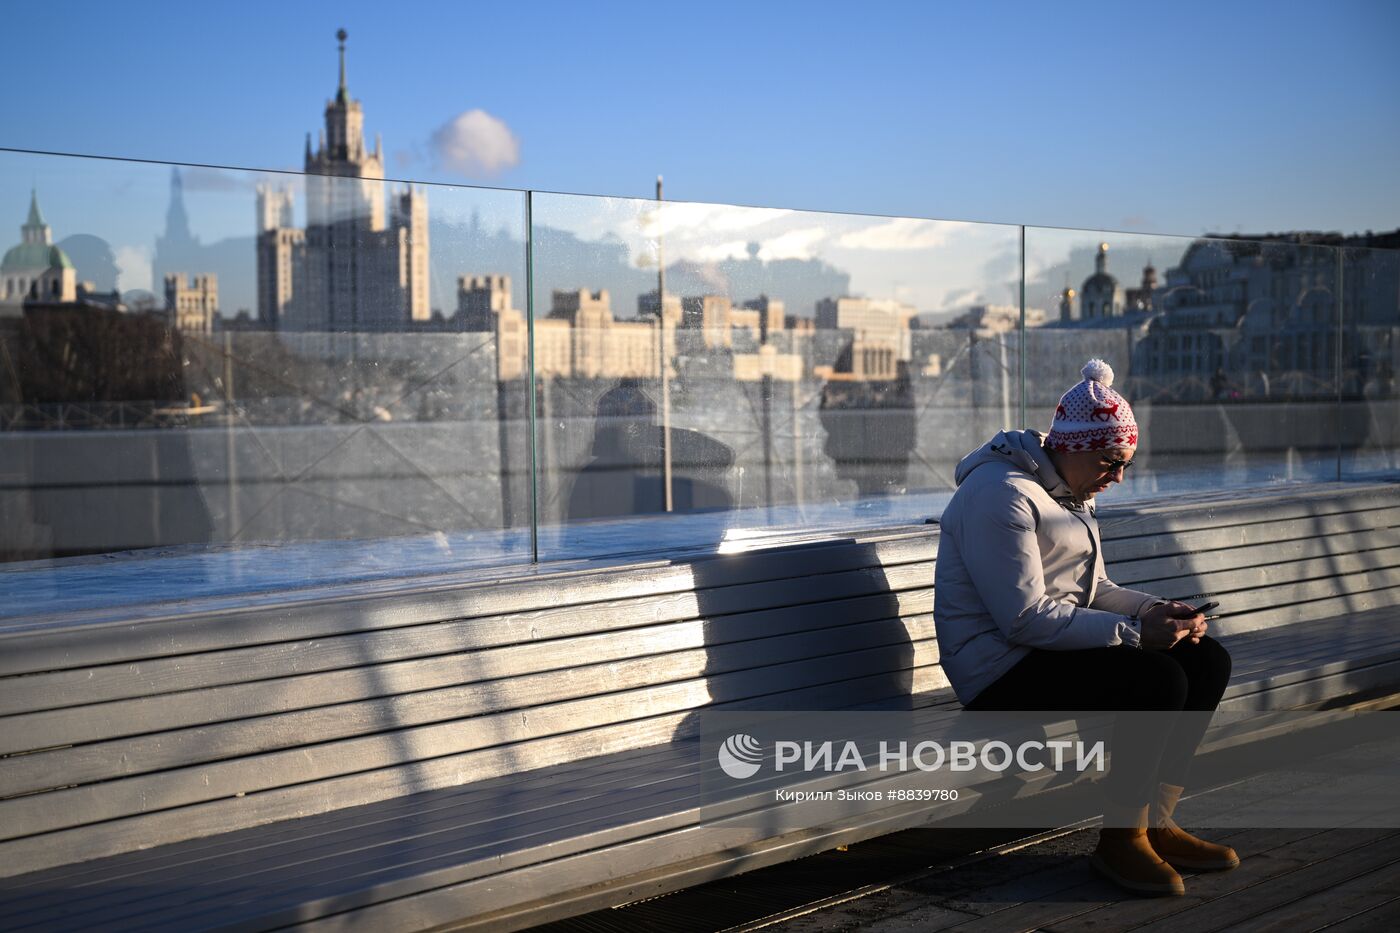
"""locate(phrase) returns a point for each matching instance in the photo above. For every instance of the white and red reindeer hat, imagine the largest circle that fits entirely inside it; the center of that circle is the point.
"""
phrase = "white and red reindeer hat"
(1091, 416)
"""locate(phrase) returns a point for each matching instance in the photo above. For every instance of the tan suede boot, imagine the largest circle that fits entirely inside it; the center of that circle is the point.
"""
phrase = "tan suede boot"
(1178, 847)
(1124, 857)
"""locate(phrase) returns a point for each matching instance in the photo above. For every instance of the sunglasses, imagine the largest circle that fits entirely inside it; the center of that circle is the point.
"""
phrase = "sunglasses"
(1113, 466)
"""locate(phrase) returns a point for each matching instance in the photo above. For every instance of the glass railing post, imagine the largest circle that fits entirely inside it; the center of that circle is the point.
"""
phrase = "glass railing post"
(1337, 357)
(1021, 340)
(530, 372)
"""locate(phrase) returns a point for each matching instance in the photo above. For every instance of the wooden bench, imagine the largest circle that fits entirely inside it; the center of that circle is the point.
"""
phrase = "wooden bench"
(506, 752)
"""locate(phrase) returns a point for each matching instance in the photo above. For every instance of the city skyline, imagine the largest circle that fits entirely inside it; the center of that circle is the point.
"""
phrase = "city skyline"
(712, 260)
(1087, 116)
(357, 267)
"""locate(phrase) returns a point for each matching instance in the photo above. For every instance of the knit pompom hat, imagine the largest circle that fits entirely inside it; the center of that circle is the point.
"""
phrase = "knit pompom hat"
(1091, 416)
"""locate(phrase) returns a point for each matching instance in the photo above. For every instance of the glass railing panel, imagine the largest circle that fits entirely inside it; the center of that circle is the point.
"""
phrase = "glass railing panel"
(1224, 348)
(1369, 416)
(270, 380)
(712, 376)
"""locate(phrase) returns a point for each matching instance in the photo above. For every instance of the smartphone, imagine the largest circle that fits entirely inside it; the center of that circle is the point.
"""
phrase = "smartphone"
(1207, 607)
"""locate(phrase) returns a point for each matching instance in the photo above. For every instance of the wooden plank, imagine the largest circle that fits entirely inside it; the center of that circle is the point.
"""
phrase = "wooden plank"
(660, 879)
(1312, 868)
(1342, 632)
(1382, 917)
(1257, 589)
(1343, 639)
(1240, 528)
(1091, 893)
(74, 725)
(108, 759)
(437, 629)
(1262, 582)
(1342, 627)
(1127, 573)
(1207, 510)
(1265, 673)
(1245, 531)
(489, 813)
(450, 751)
(440, 857)
(168, 674)
(1354, 643)
(1198, 511)
(342, 855)
(1299, 494)
(215, 817)
(1296, 672)
(558, 785)
(83, 645)
(1374, 886)
(1255, 848)
(103, 760)
(1317, 691)
(1331, 605)
(210, 743)
(449, 833)
(560, 878)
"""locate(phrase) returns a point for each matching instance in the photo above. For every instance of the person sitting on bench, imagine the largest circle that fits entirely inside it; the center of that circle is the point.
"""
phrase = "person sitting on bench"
(1026, 619)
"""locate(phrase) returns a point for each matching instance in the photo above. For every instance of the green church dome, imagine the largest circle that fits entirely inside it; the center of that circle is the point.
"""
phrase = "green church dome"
(35, 252)
(28, 256)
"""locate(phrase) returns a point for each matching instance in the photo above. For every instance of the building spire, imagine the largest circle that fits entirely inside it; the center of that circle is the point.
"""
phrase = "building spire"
(177, 221)
(342, 93)
(34, 229)
(36, 219)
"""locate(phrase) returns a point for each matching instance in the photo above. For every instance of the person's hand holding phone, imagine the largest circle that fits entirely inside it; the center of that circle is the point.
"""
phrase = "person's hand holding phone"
(1167, 623)
(1200, 629)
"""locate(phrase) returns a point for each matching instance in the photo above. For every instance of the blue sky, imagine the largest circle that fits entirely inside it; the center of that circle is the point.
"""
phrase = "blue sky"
(1174, 117)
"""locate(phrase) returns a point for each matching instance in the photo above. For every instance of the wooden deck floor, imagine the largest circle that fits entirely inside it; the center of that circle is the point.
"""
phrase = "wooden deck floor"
(1290, 880)
(1339, 879)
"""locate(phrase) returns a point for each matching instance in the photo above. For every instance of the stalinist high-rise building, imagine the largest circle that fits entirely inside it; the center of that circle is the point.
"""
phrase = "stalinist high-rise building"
(351, 268)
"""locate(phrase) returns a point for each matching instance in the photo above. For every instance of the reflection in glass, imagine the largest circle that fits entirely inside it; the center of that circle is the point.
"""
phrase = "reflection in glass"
(189, 362)
(1228, 354)
(208, 362)
(707, 374)
(1369, 422)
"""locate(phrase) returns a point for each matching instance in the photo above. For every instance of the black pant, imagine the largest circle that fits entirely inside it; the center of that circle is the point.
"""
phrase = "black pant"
(1189, 677)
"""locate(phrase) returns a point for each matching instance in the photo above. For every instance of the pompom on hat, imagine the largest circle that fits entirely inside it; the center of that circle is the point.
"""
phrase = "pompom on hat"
(1091, 416)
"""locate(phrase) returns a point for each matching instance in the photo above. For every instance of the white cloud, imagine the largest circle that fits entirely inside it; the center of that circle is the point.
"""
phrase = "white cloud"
(718, 252)
(697, 232)
(133, 268)
(476, 144)
(903, 233)
(960, 299)
(699, 220)
(793, 244)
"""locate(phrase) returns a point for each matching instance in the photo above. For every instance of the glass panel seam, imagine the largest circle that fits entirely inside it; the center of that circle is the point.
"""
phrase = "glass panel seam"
(1021, 332)
(532, 418)
(1339, 306)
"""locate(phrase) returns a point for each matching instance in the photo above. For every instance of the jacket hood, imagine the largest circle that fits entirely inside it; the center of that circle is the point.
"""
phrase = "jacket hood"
(1022, 450)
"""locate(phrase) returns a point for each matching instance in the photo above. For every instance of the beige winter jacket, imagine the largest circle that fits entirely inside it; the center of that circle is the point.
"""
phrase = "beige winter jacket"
(1020, 567)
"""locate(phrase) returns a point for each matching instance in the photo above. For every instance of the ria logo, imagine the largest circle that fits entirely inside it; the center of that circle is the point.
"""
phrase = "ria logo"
(740, 756)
